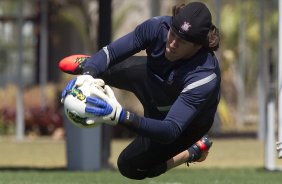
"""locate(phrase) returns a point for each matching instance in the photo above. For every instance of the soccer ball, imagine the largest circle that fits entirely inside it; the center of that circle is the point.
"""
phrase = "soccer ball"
(75, 103)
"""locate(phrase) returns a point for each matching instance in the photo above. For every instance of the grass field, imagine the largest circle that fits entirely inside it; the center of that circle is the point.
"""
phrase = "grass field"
(178, 176)
(43, 161)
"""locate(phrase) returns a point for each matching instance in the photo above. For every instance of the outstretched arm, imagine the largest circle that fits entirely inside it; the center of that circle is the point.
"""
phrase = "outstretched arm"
(124, 47)
(181, 114)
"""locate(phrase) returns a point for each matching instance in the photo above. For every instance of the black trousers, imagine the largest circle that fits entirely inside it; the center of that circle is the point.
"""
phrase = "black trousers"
(144, 157)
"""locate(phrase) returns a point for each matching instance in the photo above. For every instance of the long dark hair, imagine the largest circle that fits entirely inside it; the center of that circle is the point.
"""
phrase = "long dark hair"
(213, 37)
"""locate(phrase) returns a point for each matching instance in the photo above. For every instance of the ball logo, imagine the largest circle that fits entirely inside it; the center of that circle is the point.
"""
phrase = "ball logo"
(76, 118)
(77, 93)
(186, 26)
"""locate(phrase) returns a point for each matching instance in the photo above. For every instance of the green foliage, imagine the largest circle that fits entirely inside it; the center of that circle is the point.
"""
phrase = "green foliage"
(74, 16)
(37, 119)
(241, 29)
(121, 14)
(8, 7)
(229, 26)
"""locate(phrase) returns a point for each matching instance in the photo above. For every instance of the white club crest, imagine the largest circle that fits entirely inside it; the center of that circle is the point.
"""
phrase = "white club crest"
(185, 26)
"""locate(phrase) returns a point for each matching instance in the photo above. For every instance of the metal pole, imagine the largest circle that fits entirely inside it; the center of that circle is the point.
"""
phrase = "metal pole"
(155, 8)
(104, 38)
(217, 5)
(270, 136)
(270, 125)
(279, 143)
(261, 78)
(19, 81)
(242, 66)
(43, 52)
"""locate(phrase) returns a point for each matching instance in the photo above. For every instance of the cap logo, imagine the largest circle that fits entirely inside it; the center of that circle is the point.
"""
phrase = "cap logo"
(186, 26)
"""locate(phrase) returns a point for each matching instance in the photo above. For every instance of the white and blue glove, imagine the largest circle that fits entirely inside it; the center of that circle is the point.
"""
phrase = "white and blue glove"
(78, 81)
(101, 104)
(105, 106)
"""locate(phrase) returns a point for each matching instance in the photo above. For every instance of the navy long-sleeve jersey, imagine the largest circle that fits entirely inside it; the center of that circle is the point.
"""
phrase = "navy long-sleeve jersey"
(191, 86)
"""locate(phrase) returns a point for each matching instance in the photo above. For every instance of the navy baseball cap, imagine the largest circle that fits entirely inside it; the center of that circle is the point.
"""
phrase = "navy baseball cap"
(192, 23)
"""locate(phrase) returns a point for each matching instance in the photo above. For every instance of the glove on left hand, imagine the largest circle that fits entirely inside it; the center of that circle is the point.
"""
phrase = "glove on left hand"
(78, 81)
(105, 106)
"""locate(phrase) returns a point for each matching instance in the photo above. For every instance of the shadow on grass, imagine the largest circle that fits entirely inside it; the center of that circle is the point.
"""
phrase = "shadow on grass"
(50, 169)
(41, 169)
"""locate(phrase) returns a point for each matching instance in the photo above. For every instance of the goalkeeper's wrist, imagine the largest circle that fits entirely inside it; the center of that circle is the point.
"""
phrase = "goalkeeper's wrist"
(126, 117)
(130, 120)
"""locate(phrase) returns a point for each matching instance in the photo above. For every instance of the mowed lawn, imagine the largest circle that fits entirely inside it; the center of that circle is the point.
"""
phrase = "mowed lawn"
(178, 176)
(43, 161)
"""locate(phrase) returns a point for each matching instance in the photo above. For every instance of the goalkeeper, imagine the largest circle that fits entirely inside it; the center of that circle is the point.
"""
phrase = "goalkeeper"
(178, 86)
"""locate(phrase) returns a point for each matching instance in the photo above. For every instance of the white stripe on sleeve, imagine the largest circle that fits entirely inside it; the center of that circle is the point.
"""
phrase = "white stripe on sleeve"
(199, 83)
(105, 49)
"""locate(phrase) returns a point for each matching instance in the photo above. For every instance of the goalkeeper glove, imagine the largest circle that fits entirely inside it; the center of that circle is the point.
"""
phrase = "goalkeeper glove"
(104, 105)
(78, 81)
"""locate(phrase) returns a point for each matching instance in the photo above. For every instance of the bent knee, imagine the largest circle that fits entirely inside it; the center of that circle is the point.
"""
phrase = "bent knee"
(128, 170)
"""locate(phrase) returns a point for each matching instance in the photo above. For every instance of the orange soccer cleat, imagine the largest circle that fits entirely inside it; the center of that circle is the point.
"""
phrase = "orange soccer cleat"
(73, 64)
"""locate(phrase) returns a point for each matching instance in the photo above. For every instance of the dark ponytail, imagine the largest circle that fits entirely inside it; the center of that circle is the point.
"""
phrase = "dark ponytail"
(213, 38)
(176, 9)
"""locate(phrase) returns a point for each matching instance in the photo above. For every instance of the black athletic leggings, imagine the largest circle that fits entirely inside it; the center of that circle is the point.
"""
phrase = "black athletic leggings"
(144, 157)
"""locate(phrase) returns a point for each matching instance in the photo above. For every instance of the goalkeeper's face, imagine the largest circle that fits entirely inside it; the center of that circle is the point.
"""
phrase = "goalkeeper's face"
(178, 48)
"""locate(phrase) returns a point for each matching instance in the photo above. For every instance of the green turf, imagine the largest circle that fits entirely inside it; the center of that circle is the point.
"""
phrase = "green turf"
(29, 162)
(177, 176)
